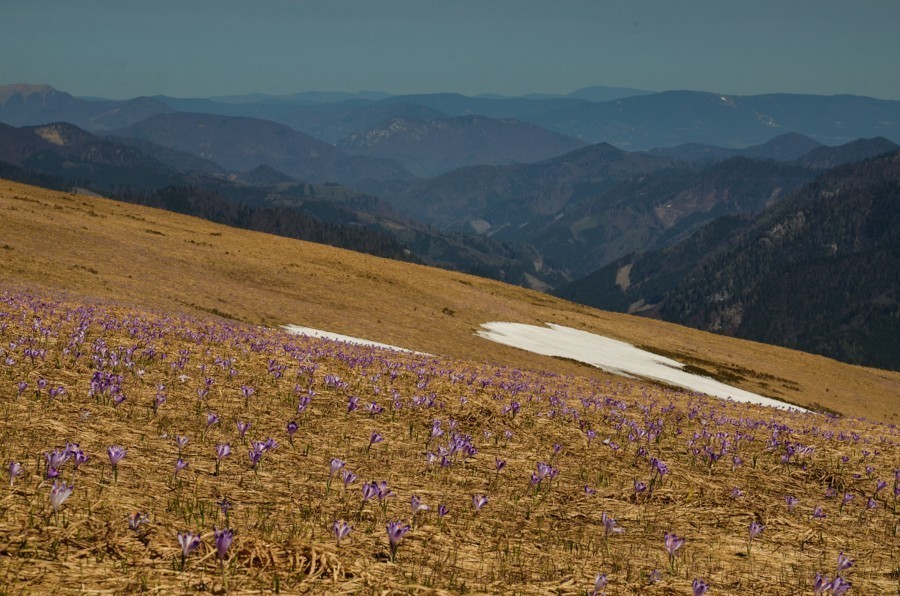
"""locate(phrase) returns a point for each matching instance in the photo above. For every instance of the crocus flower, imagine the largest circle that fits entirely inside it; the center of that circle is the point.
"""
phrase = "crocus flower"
(479, 501)
(180, 442)
(348, 477)
(223, 450)
(59, 493)
(375, 438)
(189, 543)
(839, 586)
(639, 487)
(673, 543)
(600, 582)
(395, 532)
(791, 502)
(211, 418)
(369, 490)
(844, 562)
(135, 520)
(699, 587)
(352, 404)
(821, 585)
(442, 510)
(871, 504)
(223, 540)
(291, 430)
(180, 464)
(255, 456)
(609, 525)
(818, 513)
(242, 427)
(416, 504)
(115, 454)
(341, 529)
(57, 458)
(15, 470)
(756, 529)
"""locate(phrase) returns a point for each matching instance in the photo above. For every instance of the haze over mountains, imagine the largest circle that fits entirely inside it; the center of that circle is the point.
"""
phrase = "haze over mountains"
(634, 192)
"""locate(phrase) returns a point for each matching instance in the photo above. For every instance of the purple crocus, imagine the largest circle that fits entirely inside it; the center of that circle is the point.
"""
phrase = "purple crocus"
(442, 510)
(600, 582)
(395, 532)
(609, 525)
(818, 513)
(137, 519)
(844, 562)
(375, 438)
(341, 529)
(416, 504)
(255, 456)
(639, 487)
(211, 418)
(242, 428)
(189, 543)
(821, 585)
(755, 529)
(672, 543)
(223, 539)
(180, 464)
(180, 442)
(369, 490)
(223, 450)
(59, 493)
(791, 502)
(115, 454)
(479, 501)
(348, 477)
(839, 586)
(699, 587)
(352, 404)
(15, 470)
(335, 465)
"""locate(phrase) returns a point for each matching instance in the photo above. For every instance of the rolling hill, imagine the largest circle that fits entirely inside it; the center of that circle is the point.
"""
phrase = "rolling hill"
(164, 260)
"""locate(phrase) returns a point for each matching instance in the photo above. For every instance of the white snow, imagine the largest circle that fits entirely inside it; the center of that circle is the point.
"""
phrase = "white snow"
(308, 331)
(614, 356)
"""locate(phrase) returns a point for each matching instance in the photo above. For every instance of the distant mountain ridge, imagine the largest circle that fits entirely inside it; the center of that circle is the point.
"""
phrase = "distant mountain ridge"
(432, 147)
(242, 144)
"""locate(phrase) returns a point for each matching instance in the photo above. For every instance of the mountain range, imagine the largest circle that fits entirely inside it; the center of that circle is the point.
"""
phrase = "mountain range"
(513, 188)
(816, 271)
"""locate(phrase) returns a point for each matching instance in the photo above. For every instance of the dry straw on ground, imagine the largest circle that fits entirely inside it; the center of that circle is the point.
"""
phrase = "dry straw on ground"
(574, 448)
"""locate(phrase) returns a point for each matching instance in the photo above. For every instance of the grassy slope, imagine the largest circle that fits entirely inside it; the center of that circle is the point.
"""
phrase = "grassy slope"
(99, 248)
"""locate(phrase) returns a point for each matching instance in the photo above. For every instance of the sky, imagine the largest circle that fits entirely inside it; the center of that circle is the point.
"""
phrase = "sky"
(201, 48)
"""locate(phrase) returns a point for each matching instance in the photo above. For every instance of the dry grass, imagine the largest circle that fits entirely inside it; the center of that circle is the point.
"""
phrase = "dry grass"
(93, 247)
(527, 539)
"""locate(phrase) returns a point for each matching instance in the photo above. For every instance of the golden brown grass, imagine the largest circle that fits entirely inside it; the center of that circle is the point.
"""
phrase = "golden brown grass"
(547, 540)
(95, 247)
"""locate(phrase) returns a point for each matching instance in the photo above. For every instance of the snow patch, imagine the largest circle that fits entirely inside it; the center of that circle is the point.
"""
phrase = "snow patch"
(310, 332)
(614, 356)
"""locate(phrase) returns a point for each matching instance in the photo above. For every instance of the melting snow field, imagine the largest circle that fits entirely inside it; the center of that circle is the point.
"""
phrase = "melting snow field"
(614, 356)
(298, 330)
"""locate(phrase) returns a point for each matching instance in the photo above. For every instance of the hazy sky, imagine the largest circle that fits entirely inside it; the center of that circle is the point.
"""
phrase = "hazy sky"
(199, 48)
